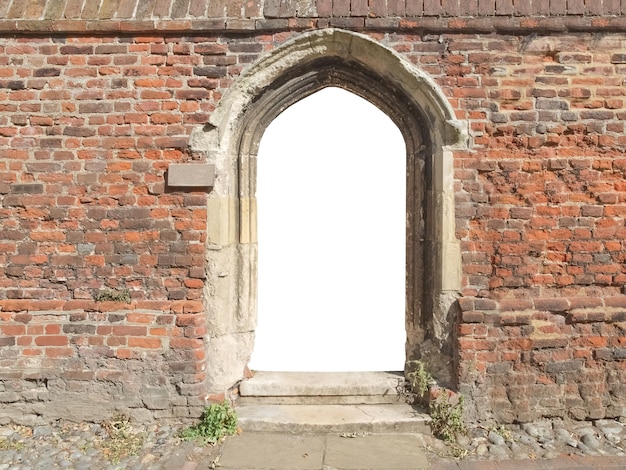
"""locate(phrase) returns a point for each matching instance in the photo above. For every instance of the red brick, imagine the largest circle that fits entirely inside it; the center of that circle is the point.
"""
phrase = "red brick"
(124, 330)
(146, 343)
(140, 318)
(52, 329)
(13, 330)
(515, 304)
(194, 283)
(359, 7)
(414, 8)
(552, 305)
(541, 7)
(585, 302)
(487, 7)
(32, 351)
(123, 353)
(158, 332)
(619, 302)
(395, 8)
(51, 340)
(341, 7)
(432, 8)
(59, 352)
(505, 7)
(377, 8)
(114, 341)
(193, 307)
(195, 331)
(186, 343)
(548, 342)
(189, 319)
(109, 306)
(162, 305)
(466, 329)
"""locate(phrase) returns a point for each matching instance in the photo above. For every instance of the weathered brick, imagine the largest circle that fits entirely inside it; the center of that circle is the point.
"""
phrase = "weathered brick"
(553, 305)
(359, 8)
(52, 340)
(76, 50)
(47, 72)
(566, 366)
(79, 329)
(144, 343)
(7, 341)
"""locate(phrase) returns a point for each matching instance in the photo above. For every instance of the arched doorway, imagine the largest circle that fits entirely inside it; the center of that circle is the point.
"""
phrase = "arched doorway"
(297, 69)
(331, 178)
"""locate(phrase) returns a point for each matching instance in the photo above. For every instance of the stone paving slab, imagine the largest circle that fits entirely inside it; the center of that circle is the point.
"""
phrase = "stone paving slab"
(392, 451)
(265, 451)
(375, 451)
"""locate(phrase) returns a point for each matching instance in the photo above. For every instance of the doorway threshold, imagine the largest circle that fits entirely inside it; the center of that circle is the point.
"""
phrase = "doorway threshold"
(327, 402)
(313, 402)
(322, 388)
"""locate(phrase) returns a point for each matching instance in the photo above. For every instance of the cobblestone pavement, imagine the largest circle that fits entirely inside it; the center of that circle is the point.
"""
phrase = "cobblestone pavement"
(117, 444)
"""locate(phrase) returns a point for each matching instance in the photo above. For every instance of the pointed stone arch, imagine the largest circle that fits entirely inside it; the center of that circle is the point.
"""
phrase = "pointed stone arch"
(297, 69)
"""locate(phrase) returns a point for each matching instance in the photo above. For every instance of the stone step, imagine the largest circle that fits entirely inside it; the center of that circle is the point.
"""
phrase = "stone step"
(322, 388)
(401, 418)
(324, 400)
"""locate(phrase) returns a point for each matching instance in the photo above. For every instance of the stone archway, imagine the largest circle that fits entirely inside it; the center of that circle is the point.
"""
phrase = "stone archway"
(413, 101)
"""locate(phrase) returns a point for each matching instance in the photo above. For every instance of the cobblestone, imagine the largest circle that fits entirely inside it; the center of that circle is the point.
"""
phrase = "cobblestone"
(89, 446)
(539, 441)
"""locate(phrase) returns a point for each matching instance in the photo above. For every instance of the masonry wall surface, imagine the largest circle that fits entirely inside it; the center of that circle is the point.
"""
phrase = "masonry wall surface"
(96, 103)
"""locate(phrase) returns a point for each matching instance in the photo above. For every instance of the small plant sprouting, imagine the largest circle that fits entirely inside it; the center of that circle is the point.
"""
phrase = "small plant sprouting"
(447, 419)
(217, 422)
(506, 434)
(5, 444)
(112, 296)
(121, 441)
(419, 378)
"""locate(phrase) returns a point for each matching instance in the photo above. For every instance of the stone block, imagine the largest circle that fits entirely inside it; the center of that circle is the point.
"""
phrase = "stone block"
(140, 415)
(191, 175)
(156, 402)
(9, 397)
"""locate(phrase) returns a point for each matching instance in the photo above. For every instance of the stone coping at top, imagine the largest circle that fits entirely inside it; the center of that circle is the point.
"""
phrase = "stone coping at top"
(427, 16)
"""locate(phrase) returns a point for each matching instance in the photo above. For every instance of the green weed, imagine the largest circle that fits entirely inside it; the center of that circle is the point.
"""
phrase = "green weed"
(447, 419)
(112, 296)
(419, 378)
(217, 422)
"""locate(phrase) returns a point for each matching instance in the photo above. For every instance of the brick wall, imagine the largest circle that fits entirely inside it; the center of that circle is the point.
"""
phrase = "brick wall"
(90, 122)
(541, 208)
(87, 130)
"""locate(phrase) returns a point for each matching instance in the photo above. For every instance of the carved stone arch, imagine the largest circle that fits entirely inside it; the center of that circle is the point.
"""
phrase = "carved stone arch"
(231, 139)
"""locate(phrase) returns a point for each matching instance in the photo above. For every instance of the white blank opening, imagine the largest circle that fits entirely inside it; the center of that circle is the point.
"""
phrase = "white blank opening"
(331, 177)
